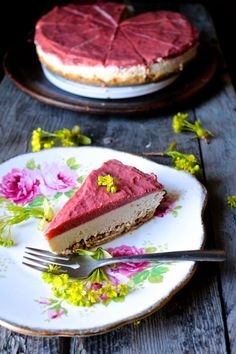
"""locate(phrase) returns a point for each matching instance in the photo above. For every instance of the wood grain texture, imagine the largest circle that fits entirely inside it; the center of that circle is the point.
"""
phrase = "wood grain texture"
(194, 321)
(13, 343)
(219, 115)
(197, 305)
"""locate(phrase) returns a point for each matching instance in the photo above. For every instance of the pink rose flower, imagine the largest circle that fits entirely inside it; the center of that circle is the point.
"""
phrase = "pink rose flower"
(129, 268)
(20, 185)
(96, 286)
(44, 302)
(57, 178)
(55, 314)
(104, 297)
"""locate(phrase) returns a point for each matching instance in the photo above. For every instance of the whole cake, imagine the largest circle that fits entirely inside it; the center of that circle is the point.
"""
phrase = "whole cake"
(98, 44)
(113, 199)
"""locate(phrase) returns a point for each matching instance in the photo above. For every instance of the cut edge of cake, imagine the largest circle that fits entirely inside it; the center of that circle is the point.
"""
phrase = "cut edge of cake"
(107, 227)
(112, 75)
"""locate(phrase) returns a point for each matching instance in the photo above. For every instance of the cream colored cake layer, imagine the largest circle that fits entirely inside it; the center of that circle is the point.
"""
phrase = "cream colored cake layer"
(167, 67)
(113, 75)
(128, 214)
(98, 74)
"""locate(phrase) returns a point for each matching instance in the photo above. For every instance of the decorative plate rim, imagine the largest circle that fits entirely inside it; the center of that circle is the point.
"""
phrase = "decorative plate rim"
(147, 312)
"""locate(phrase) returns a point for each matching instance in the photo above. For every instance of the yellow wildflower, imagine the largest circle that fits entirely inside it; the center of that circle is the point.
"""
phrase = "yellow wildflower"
(180, 124)
(181, 161)
(42, 139)
(36, 139)
(231, 201)
(109, 182)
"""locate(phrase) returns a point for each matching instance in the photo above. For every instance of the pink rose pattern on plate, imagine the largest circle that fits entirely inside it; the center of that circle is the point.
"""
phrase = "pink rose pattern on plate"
(56, 178)
(24, 185)
(20, 185)
(53, 308)
(131, 268)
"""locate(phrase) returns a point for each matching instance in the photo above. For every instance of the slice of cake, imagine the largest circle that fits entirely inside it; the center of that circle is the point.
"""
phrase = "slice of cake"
(113, 199)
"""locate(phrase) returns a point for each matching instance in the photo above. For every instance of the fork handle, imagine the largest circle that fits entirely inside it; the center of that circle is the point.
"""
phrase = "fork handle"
(194, 255)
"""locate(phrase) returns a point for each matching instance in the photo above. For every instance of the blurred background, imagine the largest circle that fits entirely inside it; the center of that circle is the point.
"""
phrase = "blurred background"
(18, 19)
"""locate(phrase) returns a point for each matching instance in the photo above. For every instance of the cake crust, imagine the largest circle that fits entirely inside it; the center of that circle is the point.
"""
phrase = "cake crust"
(102, 238)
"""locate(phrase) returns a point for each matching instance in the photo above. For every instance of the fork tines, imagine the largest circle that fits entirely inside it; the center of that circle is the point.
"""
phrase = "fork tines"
(42, 259)
(46, 253)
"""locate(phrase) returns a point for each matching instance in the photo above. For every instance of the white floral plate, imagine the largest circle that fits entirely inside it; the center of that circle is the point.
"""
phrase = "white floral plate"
(28, 305)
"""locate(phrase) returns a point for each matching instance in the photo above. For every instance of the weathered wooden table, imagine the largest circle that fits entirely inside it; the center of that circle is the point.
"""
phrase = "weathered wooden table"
(201, 318)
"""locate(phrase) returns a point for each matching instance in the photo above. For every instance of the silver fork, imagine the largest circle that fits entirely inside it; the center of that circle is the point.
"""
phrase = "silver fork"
(77, 266)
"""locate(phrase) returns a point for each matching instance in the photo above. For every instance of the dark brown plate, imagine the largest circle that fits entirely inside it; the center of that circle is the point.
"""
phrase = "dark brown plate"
(23, 68)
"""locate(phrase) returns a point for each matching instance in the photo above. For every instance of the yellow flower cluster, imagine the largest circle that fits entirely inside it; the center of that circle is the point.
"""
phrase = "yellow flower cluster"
(97, 288)
(85, 292)
(109, 182)
(45, 140)
(185, 162)
(180, 124)
(231, 201)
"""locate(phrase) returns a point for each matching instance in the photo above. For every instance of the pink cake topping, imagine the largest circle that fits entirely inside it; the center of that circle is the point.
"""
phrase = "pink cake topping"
(91, 200)
(96, 34)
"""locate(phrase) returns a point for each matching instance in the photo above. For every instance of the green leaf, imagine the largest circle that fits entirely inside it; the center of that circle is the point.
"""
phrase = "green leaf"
(57, 307)
(119, 299)
(158, 271)
(140, 277)
(75, 167)
(150, 249)
(53, 301)
(81, 179)
(71, 161)
(106, 302)
(155, 279)
(70, 193)
(37, 202)
(58, 195)
(31, 164)
(85, 140)
(5, 201)
(65, 310)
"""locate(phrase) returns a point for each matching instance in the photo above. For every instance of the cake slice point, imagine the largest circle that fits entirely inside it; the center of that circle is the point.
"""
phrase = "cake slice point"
(95, 215)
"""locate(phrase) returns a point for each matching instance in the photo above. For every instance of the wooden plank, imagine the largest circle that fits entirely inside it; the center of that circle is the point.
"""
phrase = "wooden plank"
(192, 322)
(14, 343)
(218, 115)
